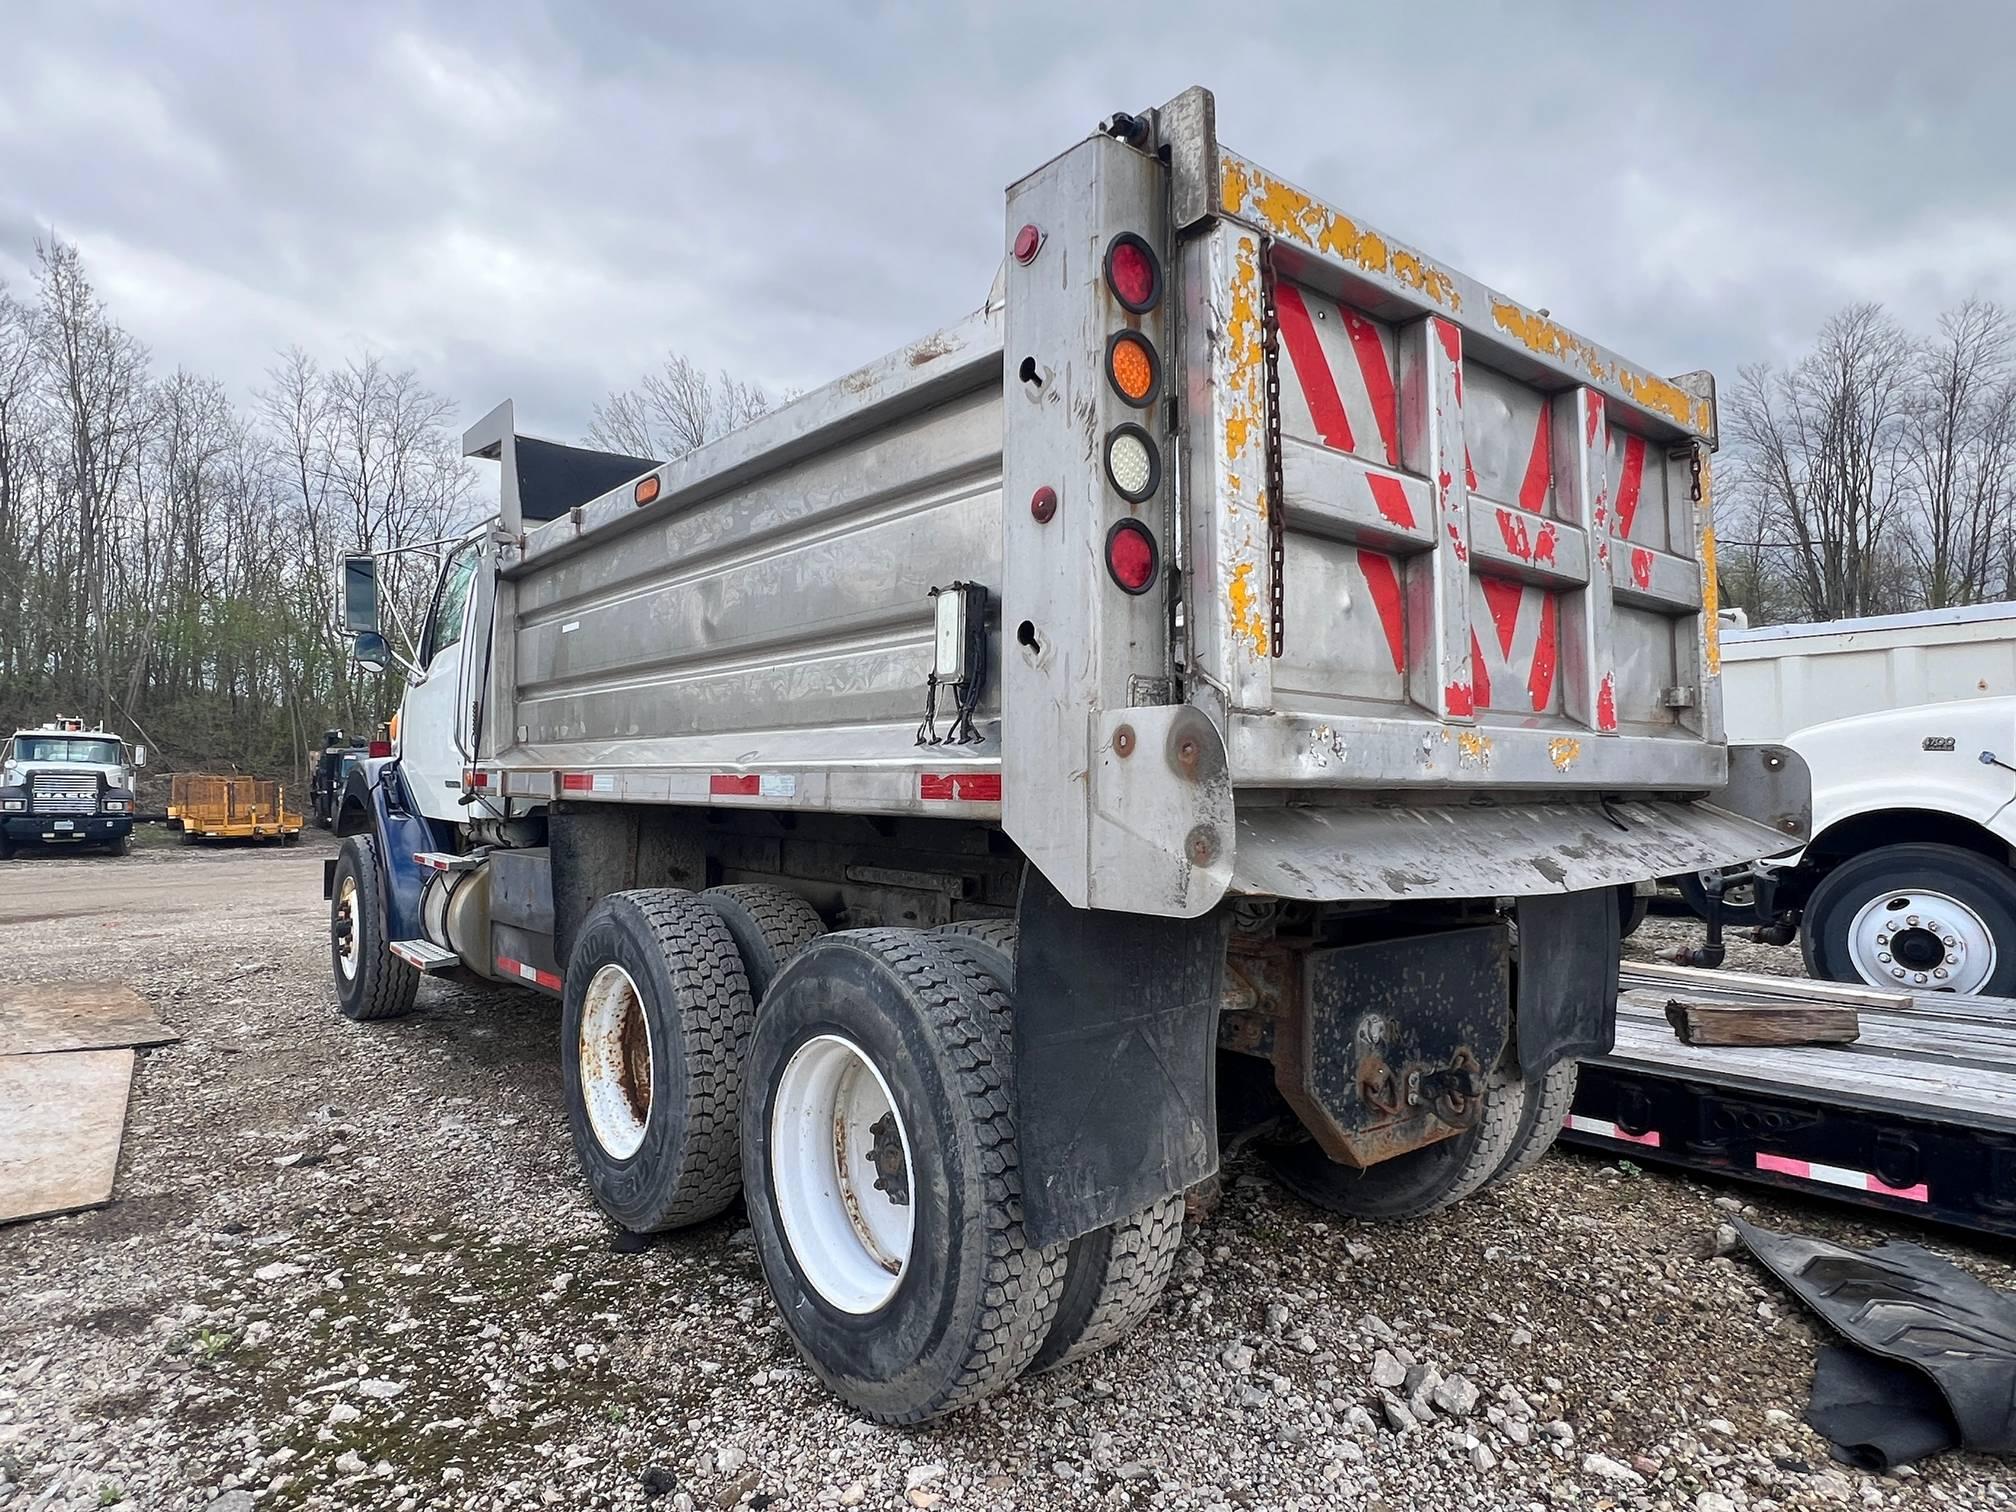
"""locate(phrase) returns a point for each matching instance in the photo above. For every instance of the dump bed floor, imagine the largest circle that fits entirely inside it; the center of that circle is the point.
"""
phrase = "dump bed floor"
(1917, 1116)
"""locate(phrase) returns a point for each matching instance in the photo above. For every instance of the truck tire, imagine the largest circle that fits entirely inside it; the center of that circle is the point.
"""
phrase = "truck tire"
(770, 925)
(371, 982)
(1420, 1182)
(1546, 1105)
(1631, 910)
(897, 1258)
(654, 1022)
(1928, 908)
(1115, 1274)
(119, 846)
(1113, 1278)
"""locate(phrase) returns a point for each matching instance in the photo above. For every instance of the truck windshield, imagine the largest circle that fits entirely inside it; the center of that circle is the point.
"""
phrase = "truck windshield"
(66, 748)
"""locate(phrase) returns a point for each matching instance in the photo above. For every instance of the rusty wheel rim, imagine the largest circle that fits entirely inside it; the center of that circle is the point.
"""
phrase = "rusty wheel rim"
(615, 1060)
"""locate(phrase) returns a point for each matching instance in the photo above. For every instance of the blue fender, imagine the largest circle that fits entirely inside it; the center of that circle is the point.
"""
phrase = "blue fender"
(375, 800)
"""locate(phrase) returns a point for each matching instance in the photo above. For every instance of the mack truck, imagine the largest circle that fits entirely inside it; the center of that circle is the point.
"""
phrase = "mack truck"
(1210, 696)
(64, 784)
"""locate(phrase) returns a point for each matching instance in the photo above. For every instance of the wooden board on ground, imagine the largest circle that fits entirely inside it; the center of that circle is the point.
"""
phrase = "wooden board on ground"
(1763, 1023)
(61, 1120)
(36, 1017)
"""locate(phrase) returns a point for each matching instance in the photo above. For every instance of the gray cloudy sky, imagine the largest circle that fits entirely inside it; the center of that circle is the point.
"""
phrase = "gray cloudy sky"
(538, 199)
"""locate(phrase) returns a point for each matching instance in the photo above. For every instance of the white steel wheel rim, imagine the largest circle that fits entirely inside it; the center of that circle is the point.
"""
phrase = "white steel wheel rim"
(1921, 940)
(346, 941)
(831, 1117)
(615, 1052)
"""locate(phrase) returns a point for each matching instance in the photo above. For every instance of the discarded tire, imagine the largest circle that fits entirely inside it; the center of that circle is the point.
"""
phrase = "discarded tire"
(654, 1023)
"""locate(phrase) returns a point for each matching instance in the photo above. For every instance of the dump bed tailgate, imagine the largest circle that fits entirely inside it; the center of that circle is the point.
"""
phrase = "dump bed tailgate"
(1439, 540)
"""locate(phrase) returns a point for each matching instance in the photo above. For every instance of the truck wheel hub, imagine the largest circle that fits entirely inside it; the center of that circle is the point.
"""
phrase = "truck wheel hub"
(840, 1168)
(1922, 941)
(615, 1061)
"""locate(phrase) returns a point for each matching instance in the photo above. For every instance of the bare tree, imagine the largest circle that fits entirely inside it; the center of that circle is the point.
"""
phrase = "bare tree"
(1821, 444)
(1960, 455)
(675, 410)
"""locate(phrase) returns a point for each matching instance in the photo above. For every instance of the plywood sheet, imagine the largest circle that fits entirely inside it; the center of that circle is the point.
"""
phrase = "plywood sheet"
(61, 1119)
(36, 1017)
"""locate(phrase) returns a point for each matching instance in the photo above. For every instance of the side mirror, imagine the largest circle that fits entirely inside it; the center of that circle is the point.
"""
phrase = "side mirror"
(371, 651)
(358, 589)
(139, 756)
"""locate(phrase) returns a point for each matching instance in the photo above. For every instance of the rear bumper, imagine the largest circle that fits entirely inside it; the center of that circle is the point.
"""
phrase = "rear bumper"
(1457, 849)
(84, 829)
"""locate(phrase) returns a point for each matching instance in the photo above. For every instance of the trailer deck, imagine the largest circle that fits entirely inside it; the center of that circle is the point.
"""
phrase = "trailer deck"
(1917, 1116)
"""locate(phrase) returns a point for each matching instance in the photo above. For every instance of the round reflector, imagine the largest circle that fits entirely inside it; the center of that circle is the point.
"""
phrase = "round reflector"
(1133, 368)
(1131, 555)
(1132, 464)
(1132, 273)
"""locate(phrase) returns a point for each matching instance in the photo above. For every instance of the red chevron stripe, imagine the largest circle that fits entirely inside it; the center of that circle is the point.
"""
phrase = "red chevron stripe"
(1319, 386)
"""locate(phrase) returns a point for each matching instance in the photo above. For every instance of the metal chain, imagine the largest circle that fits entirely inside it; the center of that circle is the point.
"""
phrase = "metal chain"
(1694, 467)
(1277, 498)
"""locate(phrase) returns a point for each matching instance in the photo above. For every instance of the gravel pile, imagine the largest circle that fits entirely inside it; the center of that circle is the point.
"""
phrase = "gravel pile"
(353, 1267)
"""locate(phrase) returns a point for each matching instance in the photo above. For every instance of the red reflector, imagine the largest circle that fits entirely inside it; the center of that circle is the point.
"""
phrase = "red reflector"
(577, 782)
(475, 779)
(1131, 556)
(379, 748)
(972, 787)
(726, 785)
(1133, 273)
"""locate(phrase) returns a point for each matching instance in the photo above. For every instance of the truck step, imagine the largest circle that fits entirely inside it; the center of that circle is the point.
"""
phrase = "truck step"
(424, 955)
(448, 861)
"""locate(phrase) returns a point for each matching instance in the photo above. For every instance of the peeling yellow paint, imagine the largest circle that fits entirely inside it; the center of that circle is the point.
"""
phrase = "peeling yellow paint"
(1473, 749)
(1711, 586)
(1544, 337)
(1564, 751)
(1243, 338)
(1247, 625)
(1288, 212)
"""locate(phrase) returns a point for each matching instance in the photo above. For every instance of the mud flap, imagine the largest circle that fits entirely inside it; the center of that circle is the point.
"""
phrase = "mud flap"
(1569, 954)
(1115, 1058)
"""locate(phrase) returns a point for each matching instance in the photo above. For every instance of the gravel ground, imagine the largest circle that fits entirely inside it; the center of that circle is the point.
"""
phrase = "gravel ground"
(352, 1266)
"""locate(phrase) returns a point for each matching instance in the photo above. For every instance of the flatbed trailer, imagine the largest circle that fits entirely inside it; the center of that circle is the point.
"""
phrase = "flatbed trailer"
(1158, 698)
(1917, 1117)
(231, 808)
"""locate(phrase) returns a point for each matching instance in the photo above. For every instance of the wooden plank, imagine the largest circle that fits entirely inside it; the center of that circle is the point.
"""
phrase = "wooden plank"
(61, 1120)
(1762, 1023)
(40, 1017)
(1689, 978)
(1989, 1045)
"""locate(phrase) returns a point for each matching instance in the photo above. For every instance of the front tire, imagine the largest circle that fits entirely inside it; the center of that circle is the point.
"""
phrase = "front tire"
(879, 1154)
(371, 982)
(1914, 918)
(654, 1021)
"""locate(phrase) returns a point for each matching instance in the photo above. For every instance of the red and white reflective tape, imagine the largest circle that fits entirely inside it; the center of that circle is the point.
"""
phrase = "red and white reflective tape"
(752, 785)
(959, 787)
(434, 860)
(1603, 1128)
(587, 782)
(528, 973)
(1841, 1176)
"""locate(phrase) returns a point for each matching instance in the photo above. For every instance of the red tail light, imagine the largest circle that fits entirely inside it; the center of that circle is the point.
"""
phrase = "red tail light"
(1132, 273)
(1131, 555)
(379, 748)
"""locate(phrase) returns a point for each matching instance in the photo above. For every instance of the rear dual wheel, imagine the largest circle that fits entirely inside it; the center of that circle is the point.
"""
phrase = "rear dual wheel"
(880, 1158)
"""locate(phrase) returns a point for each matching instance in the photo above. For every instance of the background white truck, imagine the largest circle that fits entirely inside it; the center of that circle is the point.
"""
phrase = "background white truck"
(64, 784)
(1907, 723)
(1214, 691)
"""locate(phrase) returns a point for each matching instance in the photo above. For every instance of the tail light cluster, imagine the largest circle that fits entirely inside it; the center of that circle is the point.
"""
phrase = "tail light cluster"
(1134, 371)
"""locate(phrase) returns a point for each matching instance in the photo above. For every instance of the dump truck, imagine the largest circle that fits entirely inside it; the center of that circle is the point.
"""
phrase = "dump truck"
(1212, 694)
(65, 784)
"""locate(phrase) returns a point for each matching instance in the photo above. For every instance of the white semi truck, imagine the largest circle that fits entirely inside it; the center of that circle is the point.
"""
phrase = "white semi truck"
(1213, 692)
(1907, 725)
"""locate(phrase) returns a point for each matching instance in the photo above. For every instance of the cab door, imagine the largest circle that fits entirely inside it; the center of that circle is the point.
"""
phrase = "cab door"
(436, 718)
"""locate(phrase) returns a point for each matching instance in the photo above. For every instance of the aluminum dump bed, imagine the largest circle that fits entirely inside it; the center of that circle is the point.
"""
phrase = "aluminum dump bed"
(1431, 578)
